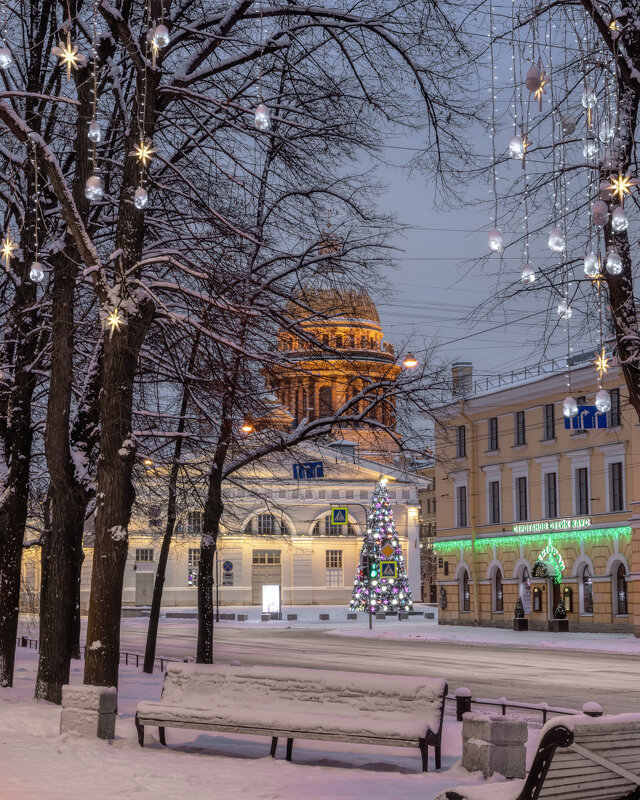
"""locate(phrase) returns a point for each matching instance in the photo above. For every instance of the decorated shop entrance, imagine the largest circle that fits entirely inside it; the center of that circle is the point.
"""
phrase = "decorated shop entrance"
(550, 565)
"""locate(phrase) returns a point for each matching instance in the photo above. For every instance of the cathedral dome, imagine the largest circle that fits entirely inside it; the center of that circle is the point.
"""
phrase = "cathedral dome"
(333, 304)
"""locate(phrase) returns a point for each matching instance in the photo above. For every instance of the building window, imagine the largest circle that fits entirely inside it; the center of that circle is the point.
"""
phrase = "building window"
(551, 494)
(498, 591)
(615, 412)
(549, 422)
(521, 499)
(266, 524)
(338, 342)
(567, 598)
(616, 500)
(144, 554)
(582, 490)
(622, 606)
(537, 599)
(194, 522)
(193, 566)
(266, 556)
(462, 506)
(493, 434)
(494, 502)
(323, 527)
(587, 591)
(324, 397)
(519, 437)
(334, 573)
(461, 441)
(466, 594)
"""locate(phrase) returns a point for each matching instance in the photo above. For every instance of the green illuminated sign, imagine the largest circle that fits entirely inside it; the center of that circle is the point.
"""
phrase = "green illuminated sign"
(551, 556)
(544, 525)
(593, 534)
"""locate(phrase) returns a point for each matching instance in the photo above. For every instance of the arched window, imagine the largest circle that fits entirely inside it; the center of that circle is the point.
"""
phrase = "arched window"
(323, 527)
(499, 601)
(466, 594)
(587, 591)
(266, 524)
(622, 604)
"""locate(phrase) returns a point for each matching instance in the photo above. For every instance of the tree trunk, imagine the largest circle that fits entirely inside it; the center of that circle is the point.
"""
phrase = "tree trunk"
(211, 526)
(115, 495)
(158, 585)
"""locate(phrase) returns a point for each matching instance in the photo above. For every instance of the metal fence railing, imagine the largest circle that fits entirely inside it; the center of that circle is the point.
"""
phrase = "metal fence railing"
(463, 701)
(126, 657)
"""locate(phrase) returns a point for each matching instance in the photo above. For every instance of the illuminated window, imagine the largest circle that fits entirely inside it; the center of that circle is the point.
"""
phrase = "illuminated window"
(334, 572)
(144, 554)
(622, 605)
(466, 594)
(193, 566)
(194, 522)
(587, 591)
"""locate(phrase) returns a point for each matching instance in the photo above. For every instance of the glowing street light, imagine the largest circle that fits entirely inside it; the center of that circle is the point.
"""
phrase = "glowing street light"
(410, 361)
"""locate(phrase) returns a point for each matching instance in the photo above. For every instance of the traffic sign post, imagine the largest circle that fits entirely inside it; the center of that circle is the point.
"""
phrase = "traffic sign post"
(388, 569)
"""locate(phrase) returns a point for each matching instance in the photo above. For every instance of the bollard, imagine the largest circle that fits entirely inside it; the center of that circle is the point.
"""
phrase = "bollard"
(24, 642)
(463, 702)
(592, 709)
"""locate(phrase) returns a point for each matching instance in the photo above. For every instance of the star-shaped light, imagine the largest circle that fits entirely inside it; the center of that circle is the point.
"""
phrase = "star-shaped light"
(614, 25)
(69, 56)
(8, 246)
(597, 281)
(144, 152)
(602, 363)
(544, 80)
(115, 320)
(621, 185)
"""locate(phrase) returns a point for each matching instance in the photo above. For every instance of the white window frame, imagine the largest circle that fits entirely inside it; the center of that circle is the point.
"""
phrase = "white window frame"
(548, 464)
(460, 478)
(493, 474)
(580, 459)
(614, 453)
(520, 469)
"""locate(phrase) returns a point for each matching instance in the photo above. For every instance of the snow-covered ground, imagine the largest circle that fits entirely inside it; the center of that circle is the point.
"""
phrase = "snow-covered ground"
(39, 764)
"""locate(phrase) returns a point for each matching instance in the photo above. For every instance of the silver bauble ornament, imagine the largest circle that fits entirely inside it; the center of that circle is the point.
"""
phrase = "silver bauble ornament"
(95, 132)
(93, 188)
(603, 400)
(564, 310)
(591, 266)
(140, 198)
(568, 124)
(6, 59)
(495, 240)
(569, 407)
(516, 147)
(619, 219)
(262, 118)
(556, 240)
(614, 262)
(600, 213)
(160, 36)
(528, 274)
(36, 273)
(589, 98)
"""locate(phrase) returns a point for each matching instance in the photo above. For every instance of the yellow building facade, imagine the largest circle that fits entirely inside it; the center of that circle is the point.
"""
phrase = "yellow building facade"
(529, 509)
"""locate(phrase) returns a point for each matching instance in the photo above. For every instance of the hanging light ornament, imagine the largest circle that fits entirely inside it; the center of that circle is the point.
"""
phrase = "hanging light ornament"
(36, 273)
(564, 310)
(535, 80)
(160, 36)
(8, 246)
(528, 274)
(495, 240)
(568, 124)
(6, 59)
(556, 240)
(613, 262)
(144, 152)
(262, 118)
(569, 407)
(114, 321)
(589, 98)
(621, 185)
(591, 265)
(590, 148)
(600, 213)
(516, 147)
(95, 132)
(602, 363)
(603, 401)
(140, 198)
(93, 189)
(619, 219)
(606, 132)
(69, 56)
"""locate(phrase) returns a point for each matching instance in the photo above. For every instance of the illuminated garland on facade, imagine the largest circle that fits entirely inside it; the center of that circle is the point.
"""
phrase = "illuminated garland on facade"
(541, 538)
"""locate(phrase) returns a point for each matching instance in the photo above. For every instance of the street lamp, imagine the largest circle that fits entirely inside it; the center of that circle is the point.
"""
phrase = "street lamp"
(410, 361)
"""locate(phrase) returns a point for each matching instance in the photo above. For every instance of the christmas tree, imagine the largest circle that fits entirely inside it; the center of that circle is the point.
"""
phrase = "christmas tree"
(381, 580)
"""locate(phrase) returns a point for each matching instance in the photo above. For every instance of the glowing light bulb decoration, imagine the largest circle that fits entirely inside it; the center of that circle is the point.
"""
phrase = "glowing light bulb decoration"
(9, 245)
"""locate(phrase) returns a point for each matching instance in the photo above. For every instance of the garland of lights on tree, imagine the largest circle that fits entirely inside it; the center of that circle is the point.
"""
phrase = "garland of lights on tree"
(560, 141)
(381, 582)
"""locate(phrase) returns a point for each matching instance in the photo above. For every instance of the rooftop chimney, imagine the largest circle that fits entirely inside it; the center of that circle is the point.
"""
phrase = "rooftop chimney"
(461, 378)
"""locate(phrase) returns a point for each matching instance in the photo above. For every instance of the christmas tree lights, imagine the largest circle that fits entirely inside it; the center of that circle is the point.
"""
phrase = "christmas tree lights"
(381, 580)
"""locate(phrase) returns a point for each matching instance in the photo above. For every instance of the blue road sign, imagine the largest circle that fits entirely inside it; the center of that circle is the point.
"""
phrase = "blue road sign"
(587, 418)
(340, 515)
(308, 470)
(227, 566)
(388, 569)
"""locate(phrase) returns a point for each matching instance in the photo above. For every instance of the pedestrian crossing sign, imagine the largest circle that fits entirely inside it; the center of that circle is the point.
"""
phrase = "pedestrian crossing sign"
(388, 569)
(340, 515)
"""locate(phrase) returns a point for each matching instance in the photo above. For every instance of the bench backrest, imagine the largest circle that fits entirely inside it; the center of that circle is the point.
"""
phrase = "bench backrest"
(580, 772)
(211, 685)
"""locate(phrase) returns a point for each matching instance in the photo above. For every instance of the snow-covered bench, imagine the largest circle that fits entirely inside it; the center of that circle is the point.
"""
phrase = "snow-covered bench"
(299, 703)
(578, 758)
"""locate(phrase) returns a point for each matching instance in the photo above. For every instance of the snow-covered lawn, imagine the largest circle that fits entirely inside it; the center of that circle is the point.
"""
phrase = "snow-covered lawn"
(39, 764)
